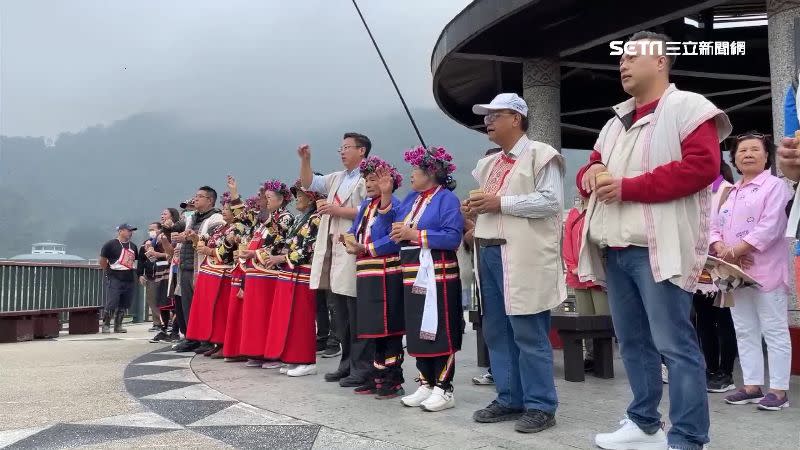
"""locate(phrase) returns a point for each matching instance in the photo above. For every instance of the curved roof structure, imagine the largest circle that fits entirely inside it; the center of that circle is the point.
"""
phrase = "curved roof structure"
(480, 53)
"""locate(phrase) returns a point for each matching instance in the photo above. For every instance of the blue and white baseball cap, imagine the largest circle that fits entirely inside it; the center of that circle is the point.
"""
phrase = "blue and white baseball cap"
(503, 101)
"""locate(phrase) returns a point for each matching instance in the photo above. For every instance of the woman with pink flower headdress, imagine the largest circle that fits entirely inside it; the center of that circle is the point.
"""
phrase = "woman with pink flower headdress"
(246, 222)
(429, 225)
(379, 282)
(291, 335)
(260, 273)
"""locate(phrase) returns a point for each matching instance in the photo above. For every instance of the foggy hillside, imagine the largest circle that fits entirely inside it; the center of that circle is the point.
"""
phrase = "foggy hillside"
(77, 191)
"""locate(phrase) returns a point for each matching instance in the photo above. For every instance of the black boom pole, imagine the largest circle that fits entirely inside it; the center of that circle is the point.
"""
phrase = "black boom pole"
(389, 72)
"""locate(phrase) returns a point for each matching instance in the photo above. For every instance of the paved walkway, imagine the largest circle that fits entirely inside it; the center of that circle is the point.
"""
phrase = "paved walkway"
(119, 391)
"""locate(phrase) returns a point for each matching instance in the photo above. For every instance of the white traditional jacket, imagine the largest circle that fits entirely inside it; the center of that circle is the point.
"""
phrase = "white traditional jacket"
(533, 273)
(332, 268)
(677, 232)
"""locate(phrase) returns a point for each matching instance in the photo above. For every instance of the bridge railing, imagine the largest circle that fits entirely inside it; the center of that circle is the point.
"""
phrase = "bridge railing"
(30, 286)
(35, 286)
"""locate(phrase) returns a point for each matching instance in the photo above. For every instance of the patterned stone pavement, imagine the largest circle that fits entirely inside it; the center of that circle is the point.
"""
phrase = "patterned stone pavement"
(103, 392)
(177, 400)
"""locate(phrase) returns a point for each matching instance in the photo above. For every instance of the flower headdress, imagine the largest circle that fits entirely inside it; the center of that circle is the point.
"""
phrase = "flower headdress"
(373, 163)
(278, 187)
(434, 160)
(298, 187)
(226, 199)
(252, 204)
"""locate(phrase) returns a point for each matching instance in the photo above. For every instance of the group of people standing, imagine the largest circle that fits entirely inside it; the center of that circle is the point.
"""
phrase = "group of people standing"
(653, 204)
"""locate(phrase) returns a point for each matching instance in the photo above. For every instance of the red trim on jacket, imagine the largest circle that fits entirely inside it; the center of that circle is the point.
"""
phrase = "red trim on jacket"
(697, 169)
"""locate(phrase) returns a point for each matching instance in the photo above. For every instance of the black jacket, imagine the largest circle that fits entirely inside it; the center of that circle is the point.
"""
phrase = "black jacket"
(145, 267)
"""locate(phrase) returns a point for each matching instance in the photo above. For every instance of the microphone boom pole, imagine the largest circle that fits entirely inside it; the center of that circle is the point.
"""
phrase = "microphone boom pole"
(389, 72)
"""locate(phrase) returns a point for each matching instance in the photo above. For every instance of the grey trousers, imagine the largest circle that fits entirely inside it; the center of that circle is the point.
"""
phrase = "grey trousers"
(151, 293)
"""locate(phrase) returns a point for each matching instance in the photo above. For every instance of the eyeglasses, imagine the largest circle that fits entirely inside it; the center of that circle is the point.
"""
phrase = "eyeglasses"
(491, 117)
(202, 196)
(345, 147)
(751, 135)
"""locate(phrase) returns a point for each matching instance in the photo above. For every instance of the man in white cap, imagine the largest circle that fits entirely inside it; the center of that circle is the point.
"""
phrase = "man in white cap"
(517, 237)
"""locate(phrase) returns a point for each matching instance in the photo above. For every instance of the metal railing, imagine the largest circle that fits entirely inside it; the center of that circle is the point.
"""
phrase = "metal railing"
(29, 286)
(33, 286)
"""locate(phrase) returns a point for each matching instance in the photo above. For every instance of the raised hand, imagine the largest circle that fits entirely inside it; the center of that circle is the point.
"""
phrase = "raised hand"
(304, 152)
(789, 157)
(232, 187)
(385, 181)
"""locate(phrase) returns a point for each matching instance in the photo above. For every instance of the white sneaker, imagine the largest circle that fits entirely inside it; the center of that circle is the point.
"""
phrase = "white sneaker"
(664, 374)
(416, 399)
(253, 363)
(302, 370)
(630, 436)
(439, 400)
(483, 380)
(285, 368)
(271, 365)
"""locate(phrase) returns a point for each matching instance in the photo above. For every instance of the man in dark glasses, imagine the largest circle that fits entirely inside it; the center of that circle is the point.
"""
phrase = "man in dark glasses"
(646, 237)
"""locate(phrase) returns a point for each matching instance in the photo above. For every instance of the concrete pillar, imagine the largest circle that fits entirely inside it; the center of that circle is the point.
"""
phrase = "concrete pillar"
(541, 89)
(781, 15)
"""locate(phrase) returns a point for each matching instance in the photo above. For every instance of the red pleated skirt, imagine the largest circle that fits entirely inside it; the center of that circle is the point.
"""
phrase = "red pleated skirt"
(292, 335)
(233, 325)
(209, 305)
(259, 287)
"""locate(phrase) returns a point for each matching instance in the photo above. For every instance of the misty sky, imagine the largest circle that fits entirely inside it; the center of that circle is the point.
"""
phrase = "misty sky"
(66, 65)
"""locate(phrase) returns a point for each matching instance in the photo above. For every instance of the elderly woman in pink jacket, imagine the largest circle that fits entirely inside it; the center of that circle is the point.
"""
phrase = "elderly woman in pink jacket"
(749, 230)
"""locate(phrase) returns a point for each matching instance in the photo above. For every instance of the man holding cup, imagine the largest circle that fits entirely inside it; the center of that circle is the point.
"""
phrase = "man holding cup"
(332, 268)
(646, 237)
(789, 164)
(517, 233)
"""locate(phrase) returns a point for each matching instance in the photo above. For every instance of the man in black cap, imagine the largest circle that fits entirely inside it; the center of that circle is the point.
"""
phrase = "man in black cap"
(118, 261)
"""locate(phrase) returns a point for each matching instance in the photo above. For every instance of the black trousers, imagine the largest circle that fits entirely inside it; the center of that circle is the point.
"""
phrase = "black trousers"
(357, 353)
(119, 294)
(389, 351)
(164, 316)
(437, 370)
(324, 320)
(716, 334)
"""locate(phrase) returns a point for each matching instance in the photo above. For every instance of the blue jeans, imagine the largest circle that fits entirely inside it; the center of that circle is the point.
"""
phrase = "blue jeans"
(652, 319)
(519, 346)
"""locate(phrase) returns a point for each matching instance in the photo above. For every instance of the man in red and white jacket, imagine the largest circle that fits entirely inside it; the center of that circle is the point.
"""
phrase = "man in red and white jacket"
(647, 183)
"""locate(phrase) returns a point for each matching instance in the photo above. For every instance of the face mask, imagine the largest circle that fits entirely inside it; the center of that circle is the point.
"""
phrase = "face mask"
(153, 234)
(188, 214)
